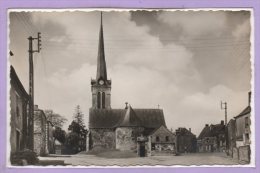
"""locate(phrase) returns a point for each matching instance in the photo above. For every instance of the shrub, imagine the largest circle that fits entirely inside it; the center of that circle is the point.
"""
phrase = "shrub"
(19, 157)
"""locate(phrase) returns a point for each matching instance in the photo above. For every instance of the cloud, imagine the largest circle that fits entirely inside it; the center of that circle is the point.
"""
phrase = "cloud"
(243, 30)
(196, 23)
(144, 71)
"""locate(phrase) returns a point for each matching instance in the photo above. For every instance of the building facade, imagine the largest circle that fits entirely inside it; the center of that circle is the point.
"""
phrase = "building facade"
(116, 128)
(231, 136)
(212, 138)
(185, 141)
(19, 118)
(162, 140)
(242, 149)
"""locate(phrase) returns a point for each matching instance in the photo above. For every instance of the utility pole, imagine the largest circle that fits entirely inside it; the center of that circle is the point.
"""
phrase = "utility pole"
(225, 108)
(31, 89)
(223, 105)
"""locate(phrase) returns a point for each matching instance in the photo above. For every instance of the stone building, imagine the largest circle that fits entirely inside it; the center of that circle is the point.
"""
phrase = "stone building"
(185, 141)
(19, 118)
(40, 132)
(212, 138)
(242, 151)
(116, 128)
(231, 136)
(162, 140)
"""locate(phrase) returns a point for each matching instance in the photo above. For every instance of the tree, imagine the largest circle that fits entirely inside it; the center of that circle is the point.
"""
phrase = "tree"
(79, 116)
(59, 134)
(72, 143)
(56, 119)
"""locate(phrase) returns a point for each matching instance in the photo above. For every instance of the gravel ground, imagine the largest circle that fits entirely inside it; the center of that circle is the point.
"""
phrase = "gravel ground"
(185, 159)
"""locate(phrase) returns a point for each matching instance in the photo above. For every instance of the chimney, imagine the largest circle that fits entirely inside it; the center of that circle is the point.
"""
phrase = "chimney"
(35, 107)
(126, 105)
(222, 122)
(190, 129)
(249, 98)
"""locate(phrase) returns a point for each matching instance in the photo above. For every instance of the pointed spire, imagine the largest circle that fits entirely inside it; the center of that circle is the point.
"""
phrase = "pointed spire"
(130, 118)
(101, 62)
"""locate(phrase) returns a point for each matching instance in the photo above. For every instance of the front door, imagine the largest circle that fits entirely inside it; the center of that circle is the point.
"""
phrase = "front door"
(142, 149)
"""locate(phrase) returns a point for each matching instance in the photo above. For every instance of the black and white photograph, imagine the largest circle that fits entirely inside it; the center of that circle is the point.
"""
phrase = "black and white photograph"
(104, 87)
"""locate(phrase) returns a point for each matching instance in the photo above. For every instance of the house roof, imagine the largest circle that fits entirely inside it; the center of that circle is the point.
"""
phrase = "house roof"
(15, 82)
(162, 126)
(247, 110)
(205, 132)
(183, 131)
(212, 130)
(111, 118)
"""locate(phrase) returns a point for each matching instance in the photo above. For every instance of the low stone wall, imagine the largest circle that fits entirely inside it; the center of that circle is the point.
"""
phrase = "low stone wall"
(235, 154)
(244, 154)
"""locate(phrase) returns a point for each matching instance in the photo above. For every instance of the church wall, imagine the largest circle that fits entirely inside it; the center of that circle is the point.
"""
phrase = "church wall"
(104, 138)
(126, 137)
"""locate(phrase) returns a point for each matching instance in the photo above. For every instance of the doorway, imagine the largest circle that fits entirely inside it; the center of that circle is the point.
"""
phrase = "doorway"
(142, 149)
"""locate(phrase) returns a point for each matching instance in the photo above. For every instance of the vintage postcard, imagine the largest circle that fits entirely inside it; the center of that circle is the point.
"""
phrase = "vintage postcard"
(131, 88)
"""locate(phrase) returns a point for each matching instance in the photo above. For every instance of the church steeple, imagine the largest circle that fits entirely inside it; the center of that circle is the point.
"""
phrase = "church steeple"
(101, 86)
(101, 61)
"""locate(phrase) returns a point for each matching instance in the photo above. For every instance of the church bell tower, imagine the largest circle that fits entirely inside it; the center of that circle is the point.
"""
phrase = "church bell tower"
(101, 86)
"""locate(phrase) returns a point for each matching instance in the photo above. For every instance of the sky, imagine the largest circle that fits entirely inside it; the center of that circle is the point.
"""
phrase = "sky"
(184, 62)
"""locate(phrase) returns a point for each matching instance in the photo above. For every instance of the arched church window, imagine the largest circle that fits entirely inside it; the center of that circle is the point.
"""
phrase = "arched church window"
(103, 99)
(98, 100)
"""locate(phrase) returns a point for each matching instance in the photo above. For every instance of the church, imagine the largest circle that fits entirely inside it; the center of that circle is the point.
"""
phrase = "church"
(116, 128)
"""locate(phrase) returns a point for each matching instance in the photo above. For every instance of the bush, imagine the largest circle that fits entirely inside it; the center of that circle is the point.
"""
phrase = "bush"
(19, 158)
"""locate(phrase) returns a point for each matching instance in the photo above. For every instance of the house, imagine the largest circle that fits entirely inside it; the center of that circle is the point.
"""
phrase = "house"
(242, 151)
(40, 132)
(117, 128)
(231, 136)
(212, 138)
(185, 141)
(206, 142)
(19, 117)
(162, 140)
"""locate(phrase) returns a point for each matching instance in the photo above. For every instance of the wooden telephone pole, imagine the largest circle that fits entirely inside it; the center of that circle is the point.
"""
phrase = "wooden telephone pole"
(31, 89)
(225, 108)
(226, 129)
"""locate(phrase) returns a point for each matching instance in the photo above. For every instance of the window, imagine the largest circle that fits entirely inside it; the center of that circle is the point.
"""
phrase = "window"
(98, 100)
(157, 138)
(17, 140)
(153, 146)
(167, 138)
(246, 122)
(103, 100)
(17, 107)
(247, 138)
(17, 111)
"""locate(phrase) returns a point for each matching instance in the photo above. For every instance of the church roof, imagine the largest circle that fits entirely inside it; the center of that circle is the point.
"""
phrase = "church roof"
(130, 119)
(112, 118)
(101, 62)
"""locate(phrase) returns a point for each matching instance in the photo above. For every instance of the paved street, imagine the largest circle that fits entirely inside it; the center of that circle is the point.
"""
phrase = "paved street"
(185, 159)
